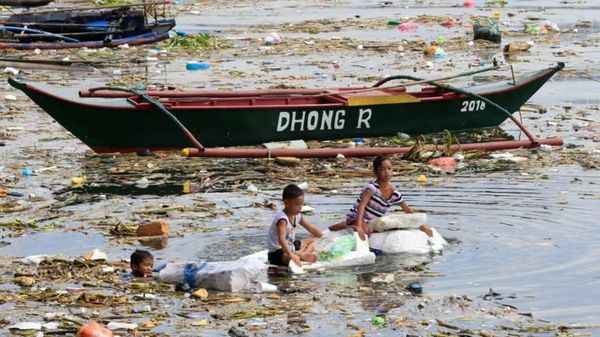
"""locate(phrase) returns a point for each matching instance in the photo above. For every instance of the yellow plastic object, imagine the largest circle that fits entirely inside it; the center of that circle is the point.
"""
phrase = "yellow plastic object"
(421, 178)
(201, 294)
(77, 181)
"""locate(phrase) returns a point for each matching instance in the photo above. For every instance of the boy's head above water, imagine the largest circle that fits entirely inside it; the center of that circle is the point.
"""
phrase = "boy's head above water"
(293, 199)
(141, 263)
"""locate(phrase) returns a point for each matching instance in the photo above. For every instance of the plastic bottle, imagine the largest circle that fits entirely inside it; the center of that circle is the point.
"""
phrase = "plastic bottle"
(26, 171)
(414, 288)
(195, 65)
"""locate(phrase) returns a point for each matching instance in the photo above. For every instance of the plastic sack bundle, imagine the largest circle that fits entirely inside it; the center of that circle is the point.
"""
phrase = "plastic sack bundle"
(231, 276)
(411, 241)
(399, 221)
(335, 244)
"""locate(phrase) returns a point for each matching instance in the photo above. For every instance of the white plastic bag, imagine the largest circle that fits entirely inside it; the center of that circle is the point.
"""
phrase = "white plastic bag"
(407, 241)
(399, 221)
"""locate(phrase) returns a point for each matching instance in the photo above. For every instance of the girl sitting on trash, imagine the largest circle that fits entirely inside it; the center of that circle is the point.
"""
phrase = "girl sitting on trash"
(375, 200)
(281, 241)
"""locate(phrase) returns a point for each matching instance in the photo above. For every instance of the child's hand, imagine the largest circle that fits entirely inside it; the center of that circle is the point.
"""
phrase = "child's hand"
(296, 259)
(361, 233)
(425, 229)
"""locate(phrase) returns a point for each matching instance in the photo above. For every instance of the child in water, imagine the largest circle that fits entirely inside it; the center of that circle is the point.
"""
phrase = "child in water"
(281, 241)
(141, 263)
(375, 200)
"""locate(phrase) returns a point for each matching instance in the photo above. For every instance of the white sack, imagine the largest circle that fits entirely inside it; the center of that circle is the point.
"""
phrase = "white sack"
(232, 276)
(399, 221)
(407, 241)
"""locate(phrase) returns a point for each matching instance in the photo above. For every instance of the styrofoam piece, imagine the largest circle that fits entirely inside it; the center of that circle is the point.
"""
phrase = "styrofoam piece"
(96, 255)
(34, 259)
(121, 326)
(292, 144)
(407, 241)
(399, 221)
(263, 287)
(353, 258)
(295, 269)
(306, 209)
(358, 257)
(26, 326)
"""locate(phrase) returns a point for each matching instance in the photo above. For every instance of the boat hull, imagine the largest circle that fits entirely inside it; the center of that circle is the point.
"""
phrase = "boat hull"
(77, 28)
(25, 3)
(117, 125)
(136, 40)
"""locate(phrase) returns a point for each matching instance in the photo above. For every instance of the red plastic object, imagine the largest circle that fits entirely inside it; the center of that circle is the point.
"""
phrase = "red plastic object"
(443, 161)
(469, 3)
(93, 329)
(451, 23)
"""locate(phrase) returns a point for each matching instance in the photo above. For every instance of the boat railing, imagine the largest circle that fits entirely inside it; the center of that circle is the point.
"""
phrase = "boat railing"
(236, 102)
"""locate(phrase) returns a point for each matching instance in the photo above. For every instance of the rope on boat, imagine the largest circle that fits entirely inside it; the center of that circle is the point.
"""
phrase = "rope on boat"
(152, 101)
(420, 81)
(471, 94)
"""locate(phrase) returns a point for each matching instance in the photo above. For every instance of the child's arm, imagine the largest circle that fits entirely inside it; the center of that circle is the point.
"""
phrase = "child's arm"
(361, 226)
(406, 208)
(309, 227)
(424, 228)
(281, 233)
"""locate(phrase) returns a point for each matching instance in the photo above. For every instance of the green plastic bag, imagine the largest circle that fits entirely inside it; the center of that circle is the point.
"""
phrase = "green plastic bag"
(340, 247)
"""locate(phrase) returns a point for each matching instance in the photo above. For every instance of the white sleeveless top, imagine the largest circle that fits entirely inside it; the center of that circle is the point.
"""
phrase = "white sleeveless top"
(290, 236)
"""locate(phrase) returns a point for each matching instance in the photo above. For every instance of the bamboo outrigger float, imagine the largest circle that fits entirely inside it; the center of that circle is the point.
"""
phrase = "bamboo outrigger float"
(125, 120)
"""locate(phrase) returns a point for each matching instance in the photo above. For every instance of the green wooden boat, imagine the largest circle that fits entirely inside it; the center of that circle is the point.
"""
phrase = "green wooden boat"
(115, 121)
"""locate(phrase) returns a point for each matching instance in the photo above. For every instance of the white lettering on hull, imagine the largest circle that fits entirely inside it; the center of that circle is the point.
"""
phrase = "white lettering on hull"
(319, 120)
(298, 121)
(364, 115)
(283, 121)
